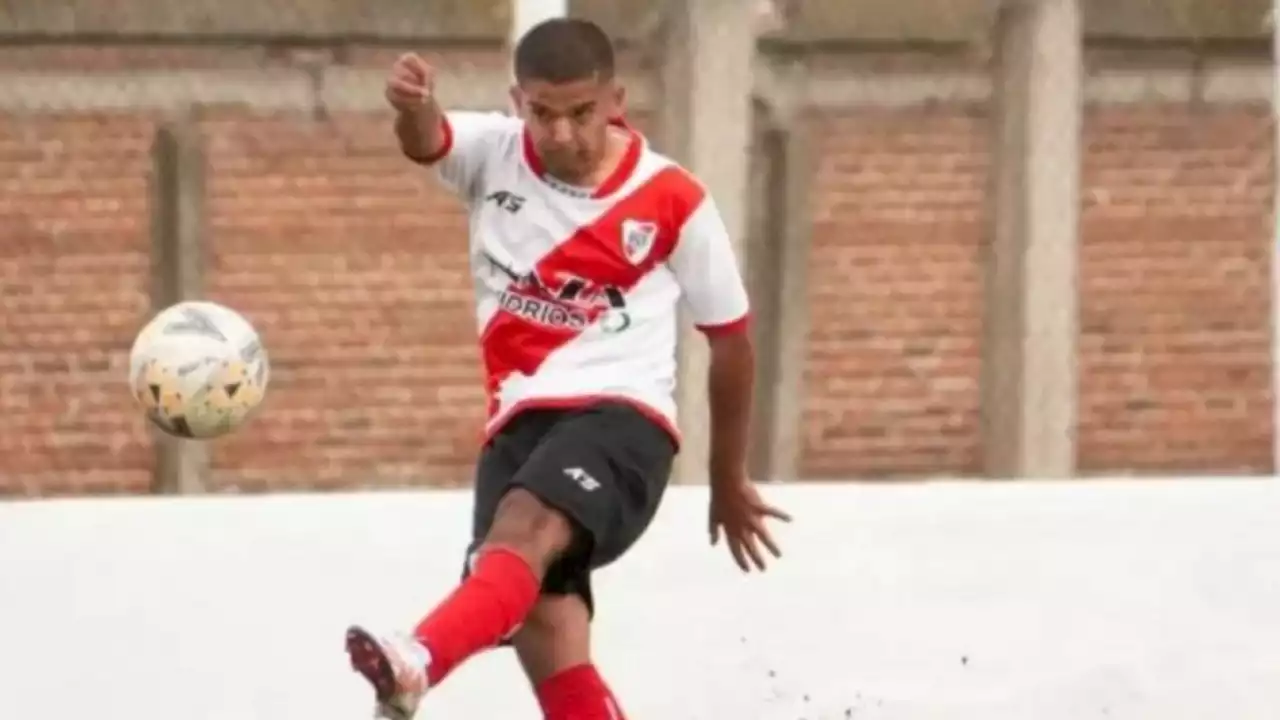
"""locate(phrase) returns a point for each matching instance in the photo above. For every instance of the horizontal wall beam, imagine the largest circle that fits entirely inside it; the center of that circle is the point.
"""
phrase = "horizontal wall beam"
(342, 89)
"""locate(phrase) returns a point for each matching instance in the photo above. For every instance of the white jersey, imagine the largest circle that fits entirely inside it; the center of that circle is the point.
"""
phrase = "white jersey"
(577, 291)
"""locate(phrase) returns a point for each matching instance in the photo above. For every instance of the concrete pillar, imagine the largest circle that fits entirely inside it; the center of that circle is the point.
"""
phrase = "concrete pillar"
(780, 230)
(706, 78)
(177, 274)
(1029, 356)
(766, 226)
(527, 13)
(787, 277)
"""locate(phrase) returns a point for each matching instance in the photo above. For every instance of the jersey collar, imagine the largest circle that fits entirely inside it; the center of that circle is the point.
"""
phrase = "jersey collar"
(619, 176)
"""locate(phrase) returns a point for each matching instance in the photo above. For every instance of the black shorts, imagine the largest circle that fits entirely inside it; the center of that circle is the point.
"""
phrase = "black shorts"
(604, 466)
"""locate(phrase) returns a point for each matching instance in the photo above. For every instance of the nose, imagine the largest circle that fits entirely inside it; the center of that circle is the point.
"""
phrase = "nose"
(561, 131)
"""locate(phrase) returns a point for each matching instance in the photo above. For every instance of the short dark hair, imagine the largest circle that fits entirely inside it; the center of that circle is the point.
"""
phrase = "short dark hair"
(564, 50)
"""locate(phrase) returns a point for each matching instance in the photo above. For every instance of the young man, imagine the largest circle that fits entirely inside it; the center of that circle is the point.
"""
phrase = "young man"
(582, 242)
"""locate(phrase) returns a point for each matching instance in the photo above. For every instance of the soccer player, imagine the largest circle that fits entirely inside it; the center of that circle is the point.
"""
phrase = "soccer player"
(582, 242)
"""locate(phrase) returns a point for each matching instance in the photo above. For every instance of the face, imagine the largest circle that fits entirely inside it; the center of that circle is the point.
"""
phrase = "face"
(569, 122)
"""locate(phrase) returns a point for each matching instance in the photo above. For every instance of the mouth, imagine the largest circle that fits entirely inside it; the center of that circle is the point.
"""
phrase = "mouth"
(560, 155)
(563, 162)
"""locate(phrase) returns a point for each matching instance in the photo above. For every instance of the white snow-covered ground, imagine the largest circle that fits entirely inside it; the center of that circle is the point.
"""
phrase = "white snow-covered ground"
(1139, 599)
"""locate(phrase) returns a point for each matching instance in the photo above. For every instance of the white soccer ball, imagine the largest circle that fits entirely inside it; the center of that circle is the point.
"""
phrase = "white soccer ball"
(198, 370)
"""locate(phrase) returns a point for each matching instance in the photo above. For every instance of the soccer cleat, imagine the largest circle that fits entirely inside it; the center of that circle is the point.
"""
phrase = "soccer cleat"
(396, 668)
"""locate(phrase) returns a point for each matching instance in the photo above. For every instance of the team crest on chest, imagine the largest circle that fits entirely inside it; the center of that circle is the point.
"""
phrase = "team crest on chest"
(638, 239)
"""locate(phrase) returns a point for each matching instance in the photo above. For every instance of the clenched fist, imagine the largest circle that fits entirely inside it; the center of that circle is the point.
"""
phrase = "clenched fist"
(411, 83)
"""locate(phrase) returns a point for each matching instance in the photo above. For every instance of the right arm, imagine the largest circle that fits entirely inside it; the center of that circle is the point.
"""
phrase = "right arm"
(423, 133)
(455, 143)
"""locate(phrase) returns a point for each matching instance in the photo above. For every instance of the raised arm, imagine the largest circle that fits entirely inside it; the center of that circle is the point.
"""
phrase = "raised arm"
(456, 143)
(420, 124)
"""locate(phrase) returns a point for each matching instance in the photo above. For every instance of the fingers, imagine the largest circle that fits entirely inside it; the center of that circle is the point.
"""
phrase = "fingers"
(731, 538)
(744, 547)
(735, 549)
(766, 538)
(403, 71)
(752, 549)
(410, 82)
(745, 541)
(745, 552)
(743, 520)
(413, 67)
(419, 67)
(773, 512)
(762, 531)
(406, 90)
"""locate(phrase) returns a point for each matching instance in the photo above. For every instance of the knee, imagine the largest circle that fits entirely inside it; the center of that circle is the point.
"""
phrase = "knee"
(538, 532)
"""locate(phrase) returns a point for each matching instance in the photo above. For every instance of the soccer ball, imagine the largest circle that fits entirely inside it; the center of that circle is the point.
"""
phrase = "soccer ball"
(198, 370)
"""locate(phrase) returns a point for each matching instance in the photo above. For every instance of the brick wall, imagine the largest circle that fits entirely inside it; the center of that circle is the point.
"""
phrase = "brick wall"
(1177, 228)
(74, 271)
(347, 259)
(892, 371)
(1174, 280)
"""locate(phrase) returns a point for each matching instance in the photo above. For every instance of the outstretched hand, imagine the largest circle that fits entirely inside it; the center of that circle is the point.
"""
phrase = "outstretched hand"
(738, 511)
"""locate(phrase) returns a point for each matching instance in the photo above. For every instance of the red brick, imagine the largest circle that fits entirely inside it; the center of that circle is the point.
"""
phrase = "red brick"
(74, 266)
(1175, 273)
(353, 266)
(895, 293)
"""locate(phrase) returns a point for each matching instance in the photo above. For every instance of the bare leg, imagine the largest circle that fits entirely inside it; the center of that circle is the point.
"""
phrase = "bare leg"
(554, 647)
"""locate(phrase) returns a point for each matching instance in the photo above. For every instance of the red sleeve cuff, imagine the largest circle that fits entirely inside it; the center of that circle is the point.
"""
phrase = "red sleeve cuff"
(446, 130)
(740, 325)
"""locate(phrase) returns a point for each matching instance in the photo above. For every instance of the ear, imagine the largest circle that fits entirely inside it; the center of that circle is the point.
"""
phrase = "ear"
(619, 99)
(517, 99)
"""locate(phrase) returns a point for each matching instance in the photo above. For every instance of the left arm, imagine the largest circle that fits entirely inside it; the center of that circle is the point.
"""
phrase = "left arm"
(707, 269)
(730, 380)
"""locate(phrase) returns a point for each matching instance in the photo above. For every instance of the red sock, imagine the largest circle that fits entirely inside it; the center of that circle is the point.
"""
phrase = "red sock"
(578, 693)
(480, 613)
